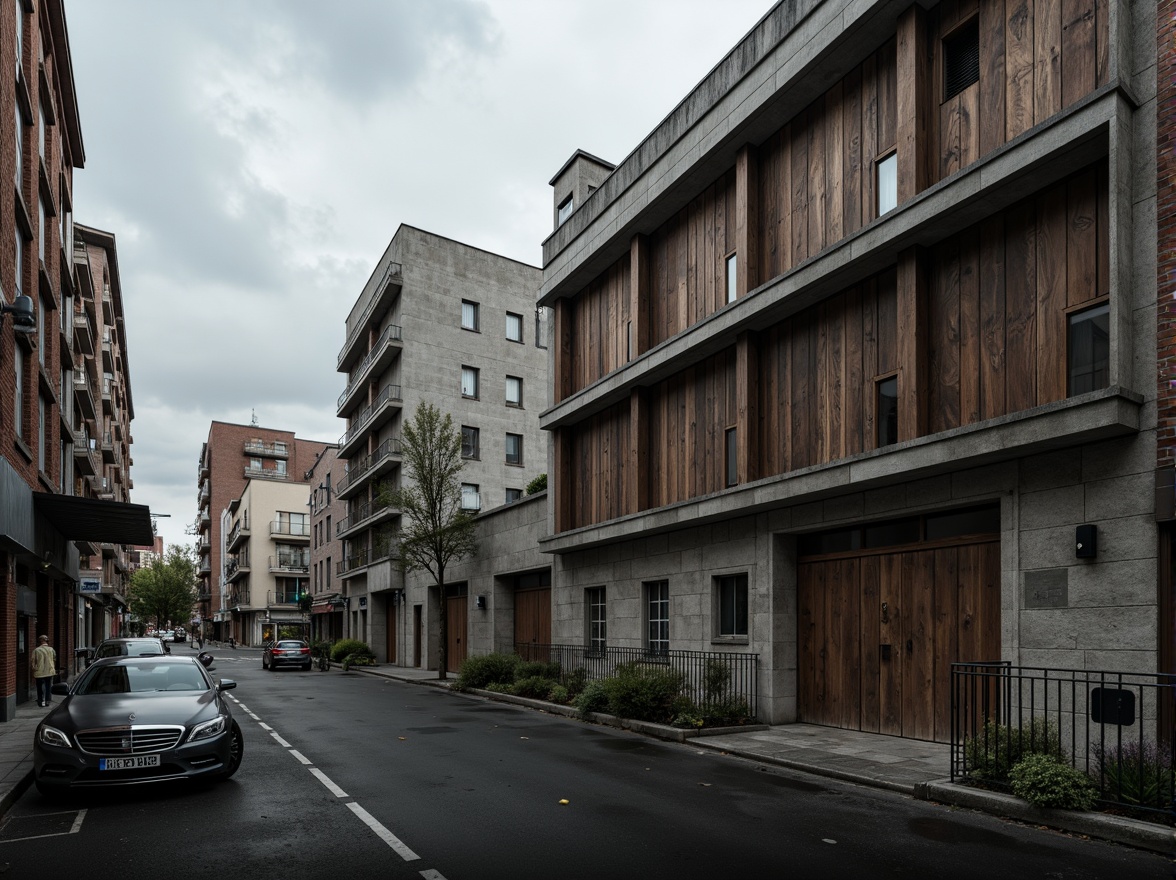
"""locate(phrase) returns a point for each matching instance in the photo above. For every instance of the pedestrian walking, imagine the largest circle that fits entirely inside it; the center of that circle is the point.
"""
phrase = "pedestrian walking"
(44, 668)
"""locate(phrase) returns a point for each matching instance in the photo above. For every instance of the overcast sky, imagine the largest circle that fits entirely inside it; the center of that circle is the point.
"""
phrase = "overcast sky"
(253, 159)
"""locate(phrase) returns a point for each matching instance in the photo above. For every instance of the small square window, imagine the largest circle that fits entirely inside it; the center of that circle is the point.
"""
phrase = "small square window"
(514, 449)
(469, 315)
(513, 495)
(732, 278)
(514, 327)
(469, 382)
(470, 498)
(887, 183)
(1089, 349)
(470, 438)
(514, 391)
(886, 408)
(731, 598)
(732, 438)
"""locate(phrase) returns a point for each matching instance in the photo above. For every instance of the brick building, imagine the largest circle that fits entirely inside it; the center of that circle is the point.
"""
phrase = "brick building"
(854, 358)
(65, 405)
(326, 509)
(231, 457)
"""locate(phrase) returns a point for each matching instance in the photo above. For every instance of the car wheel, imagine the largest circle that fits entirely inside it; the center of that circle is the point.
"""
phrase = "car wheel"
(236, 750)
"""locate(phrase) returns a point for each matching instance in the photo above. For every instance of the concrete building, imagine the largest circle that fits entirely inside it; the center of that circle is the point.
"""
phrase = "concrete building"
(64, 432)
(448, 324)
(326, 509)
(230, 457)
(854, 359)
(267, 567)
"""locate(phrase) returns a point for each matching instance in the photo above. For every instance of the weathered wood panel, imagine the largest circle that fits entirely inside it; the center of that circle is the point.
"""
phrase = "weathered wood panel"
(599, 326)
(600, 452)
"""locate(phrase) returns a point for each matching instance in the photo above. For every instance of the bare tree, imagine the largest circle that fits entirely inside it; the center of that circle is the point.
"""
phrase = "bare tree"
(435, 531)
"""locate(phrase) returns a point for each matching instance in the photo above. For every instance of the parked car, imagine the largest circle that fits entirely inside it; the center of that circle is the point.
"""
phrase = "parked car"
(181, 636)
(138, 647)
(286, 652)
(168, 635)
(130, 720)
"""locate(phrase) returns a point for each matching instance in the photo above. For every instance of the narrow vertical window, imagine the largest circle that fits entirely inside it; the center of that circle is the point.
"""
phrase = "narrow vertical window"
(470, 437)
(732, 457)
(731, 599)
(886, 171)
(514, 391)
(41, 438)
(564, 211)
(961, 58)
(514, 449)
(514, 327)
(732, 278)
(657, 612)
(595, 616)
(469, 315)
(886, 410)
(469, 382)
(18, 397)
(1089, 349)
(19, 176)
(19, 264)
(470, 499)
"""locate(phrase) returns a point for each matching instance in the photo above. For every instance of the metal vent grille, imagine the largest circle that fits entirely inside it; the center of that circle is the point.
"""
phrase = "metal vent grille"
(961, 59)
(114, 741)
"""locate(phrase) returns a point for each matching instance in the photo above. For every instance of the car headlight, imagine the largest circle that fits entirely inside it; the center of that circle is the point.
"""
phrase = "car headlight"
(51, 736)
(208, 729)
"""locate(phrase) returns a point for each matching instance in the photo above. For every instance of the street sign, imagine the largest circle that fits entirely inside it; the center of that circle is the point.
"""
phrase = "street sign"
(89, 585)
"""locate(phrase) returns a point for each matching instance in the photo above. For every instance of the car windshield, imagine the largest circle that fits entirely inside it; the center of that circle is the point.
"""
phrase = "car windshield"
(137, 678)
(124, 649)
(289, 644)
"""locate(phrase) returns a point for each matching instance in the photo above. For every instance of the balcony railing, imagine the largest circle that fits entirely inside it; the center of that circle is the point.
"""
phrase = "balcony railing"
(295, 564)
(351, 563)
(282, 597)
(391, 334)
(364, 511)
(263, 473)
(359, 468)
(240, 598)
(390, 394)
(277, 449)
(295, 530)
(360, 326)
(240, 530)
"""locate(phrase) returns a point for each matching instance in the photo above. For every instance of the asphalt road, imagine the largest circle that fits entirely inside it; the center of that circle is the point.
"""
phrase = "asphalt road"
(353, 776)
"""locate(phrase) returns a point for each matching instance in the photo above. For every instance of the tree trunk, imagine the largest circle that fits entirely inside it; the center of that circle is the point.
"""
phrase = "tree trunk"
(443, 620)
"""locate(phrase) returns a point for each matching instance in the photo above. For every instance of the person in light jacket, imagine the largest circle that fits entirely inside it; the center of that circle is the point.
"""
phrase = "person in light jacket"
(44, 668)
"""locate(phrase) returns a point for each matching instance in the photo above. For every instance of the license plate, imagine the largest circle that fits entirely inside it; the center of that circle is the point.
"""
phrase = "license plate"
(132, 763)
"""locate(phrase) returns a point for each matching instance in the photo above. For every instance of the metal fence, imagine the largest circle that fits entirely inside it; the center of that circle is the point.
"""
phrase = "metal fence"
(1115, 727)
(710, 677)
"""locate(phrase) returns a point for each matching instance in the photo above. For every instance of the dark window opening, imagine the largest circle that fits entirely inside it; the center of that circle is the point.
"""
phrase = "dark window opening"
(961, 59)
(887, 411)
(943, 525)
(1089, 349)
(732, 458)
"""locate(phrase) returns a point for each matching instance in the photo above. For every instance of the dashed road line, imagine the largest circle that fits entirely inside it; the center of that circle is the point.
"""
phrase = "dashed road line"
(301, 757)
(432, 874)
(281, 741)
(325, 780)
(383, 833)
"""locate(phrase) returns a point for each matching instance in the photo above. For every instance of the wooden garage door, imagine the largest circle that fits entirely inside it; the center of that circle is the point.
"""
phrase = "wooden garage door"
(532, 622)
(878, 633)
(456, 621)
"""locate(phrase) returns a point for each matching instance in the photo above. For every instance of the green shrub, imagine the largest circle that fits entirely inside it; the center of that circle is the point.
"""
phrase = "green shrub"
(361, 656)
(498, 688)
(343, 647)
(540, 668)
(643, 692)
(1045, 781)
(559, 694)
(593, 698)
(725, 713)
(539, 484)
(997, 748)
(1137, 775)
(534, 686)
(576, 680)
(487, 669)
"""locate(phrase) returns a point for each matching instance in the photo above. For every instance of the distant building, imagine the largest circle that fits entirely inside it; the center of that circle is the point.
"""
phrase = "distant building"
(65, 402)
(443, 323)
(231, 456)
(326, 510)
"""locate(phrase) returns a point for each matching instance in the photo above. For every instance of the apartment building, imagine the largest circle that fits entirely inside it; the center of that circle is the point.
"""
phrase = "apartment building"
(63, 487)
(329, 602)
(854, 359)
(232, 456)
(448, 324)
(267, 569)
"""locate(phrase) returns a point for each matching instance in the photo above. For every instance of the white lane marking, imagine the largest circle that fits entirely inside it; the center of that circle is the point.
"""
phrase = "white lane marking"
(74, 829)
(301, 757)
(334, 789)
(264, 726)
(281, 741)
(254, 717)
(432, 874)
(383, 833)
(77, 825)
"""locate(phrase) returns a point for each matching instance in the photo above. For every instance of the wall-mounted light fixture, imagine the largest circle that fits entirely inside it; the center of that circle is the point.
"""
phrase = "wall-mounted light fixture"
(480, 603)
(23, 318)
(1086, 541)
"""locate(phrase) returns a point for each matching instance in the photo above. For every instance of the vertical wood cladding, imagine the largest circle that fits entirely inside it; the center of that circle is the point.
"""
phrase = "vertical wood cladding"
(597, 468)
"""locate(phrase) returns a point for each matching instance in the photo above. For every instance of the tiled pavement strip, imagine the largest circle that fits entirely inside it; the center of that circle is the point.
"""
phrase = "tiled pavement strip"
(911, 767)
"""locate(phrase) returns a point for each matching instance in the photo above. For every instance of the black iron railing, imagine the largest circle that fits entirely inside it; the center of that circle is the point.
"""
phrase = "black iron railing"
(709, 677)
(1115, 727)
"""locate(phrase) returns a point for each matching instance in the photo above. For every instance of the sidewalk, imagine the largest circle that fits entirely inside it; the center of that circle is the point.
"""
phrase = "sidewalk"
(910, 767)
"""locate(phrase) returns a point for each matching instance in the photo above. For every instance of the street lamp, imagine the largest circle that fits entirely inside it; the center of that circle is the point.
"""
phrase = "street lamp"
(23, 319)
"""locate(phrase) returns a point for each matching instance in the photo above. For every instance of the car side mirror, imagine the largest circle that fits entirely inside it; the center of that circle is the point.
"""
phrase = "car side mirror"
(225, 684)
(205, 659)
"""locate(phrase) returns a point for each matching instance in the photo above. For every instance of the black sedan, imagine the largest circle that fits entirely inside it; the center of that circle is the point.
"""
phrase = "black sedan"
(130, 720)
(286, 652)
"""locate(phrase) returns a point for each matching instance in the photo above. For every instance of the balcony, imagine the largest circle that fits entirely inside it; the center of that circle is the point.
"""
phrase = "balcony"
(383, 296)
(364, 516)
(107, 306)
(369, 419)
(108, 448)
(83, 333)
(383, 353)
(281, 529)
(202, 495)
(238, 535)
(85, 454)
(107, 353)
(240, 599)
(353, 565)
(285, 563)
(263, 473)
(237, 567)
(84, 394)
(277, 449)
(384, 459)
(108, 391)
(282, 598)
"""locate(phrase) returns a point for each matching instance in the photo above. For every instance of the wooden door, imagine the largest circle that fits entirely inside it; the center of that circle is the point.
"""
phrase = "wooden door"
(532, 624)
(393, 618)
(878, 634)
(456, 609)
(416, 635)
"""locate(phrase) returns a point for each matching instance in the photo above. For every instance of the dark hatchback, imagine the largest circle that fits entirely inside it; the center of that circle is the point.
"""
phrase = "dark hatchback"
(130, 720)
(286, 652)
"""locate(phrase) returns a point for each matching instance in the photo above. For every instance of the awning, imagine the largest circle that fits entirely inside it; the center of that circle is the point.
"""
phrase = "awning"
(104, 522)
(326, 604)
